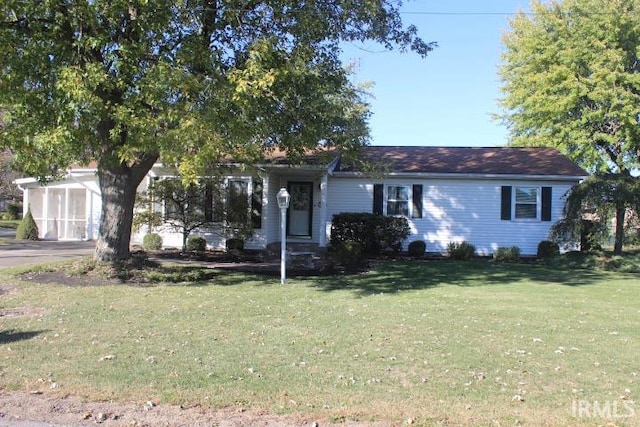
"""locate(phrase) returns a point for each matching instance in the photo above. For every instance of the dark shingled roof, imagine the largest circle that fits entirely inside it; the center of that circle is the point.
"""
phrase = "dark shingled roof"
(470, 160)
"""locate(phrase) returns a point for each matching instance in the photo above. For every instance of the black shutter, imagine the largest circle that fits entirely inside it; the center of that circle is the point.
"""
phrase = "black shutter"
(417, 201)
(208, 202)
(546, 204)
(256, 204)
(505, 203)
(378, 195)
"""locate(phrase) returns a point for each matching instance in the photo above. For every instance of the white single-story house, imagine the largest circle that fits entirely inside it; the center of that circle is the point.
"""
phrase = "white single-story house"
(491, 197)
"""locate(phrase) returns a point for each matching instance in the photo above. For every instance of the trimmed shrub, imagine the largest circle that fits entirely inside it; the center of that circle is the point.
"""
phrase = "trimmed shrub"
(347, 254)
(11, 212)
(610, 264)
(511, 254)
(417, 248)
(235, 244)
(152, 242)
(27, 229)
(548, 249)
(375, 233)
(196, 244)
(461, 251)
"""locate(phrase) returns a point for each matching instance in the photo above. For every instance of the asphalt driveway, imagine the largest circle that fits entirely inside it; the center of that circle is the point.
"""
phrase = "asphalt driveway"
(22, 252)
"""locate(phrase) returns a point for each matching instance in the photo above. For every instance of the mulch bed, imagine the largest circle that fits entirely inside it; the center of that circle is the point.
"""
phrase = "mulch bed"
(134, 272)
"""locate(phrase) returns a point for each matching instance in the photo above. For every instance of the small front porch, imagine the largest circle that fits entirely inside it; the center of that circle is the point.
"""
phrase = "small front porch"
(300, 255)
(306, 217)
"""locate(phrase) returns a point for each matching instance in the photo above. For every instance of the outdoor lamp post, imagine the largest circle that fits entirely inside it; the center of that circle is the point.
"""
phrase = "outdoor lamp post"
(283, 203)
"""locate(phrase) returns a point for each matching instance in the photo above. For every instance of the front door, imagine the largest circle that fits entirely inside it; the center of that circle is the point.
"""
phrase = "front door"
(300, 209)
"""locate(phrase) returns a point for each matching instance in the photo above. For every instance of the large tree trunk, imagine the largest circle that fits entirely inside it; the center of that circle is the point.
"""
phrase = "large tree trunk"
(185, 237)
(619, 238)
(118, 186)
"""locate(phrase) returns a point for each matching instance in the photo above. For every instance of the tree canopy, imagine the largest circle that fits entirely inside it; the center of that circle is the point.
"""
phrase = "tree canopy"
(125, 82)
(571, 79)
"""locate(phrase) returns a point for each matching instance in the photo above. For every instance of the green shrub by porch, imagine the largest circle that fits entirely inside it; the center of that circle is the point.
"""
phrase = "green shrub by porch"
(375, 233)
(347, 254)
(27, 229)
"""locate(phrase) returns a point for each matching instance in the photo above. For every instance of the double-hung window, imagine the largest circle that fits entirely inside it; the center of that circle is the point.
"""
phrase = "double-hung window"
(179, 202)
(398, 200)
(526, 202)
(239, 201)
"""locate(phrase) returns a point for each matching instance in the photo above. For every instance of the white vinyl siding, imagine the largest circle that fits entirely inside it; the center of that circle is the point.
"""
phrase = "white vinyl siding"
(456, 210)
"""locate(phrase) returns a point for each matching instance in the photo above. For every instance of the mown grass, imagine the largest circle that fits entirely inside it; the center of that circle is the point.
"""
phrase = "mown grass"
(439, 342)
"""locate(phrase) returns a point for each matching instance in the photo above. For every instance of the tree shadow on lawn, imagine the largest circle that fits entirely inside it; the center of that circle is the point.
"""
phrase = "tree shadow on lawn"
(394, 276)
(12, 335)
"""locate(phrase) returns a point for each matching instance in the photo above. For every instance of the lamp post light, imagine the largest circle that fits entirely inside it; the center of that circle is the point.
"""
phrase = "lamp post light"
(284, 198)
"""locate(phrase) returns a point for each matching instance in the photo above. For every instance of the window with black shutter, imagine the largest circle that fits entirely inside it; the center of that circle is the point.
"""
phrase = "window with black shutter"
(378, 197)
(525, 203)
(546, 204)
(505, 203)
(256, 204)
(416, 193)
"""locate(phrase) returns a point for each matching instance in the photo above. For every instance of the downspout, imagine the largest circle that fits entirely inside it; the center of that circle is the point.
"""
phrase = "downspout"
(322, 240)
(25, 206)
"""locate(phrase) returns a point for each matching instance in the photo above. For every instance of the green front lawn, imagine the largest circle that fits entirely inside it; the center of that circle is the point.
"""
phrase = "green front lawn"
(439, 342)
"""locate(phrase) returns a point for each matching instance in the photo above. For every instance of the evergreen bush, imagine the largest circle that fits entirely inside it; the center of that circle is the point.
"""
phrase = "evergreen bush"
(548, 249)
(510, 254)
(347, 253)
(27, 229)
(11, 212)
(235, 244)
(461, 251)
(196, 244)
(152, 242)
(417, 248)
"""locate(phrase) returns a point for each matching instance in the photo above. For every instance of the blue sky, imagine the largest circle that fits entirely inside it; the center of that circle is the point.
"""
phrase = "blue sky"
(447, 98)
